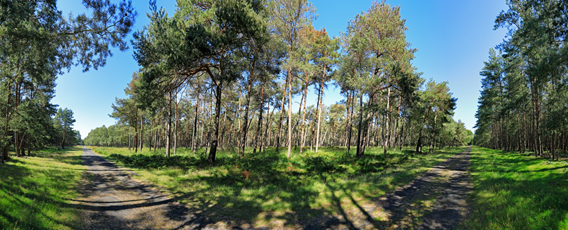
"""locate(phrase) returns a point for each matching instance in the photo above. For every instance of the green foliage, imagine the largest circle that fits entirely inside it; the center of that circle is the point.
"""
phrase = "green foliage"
(37, 42)
(522, 104)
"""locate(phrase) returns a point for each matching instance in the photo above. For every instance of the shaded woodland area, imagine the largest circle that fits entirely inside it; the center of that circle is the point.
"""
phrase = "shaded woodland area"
(523, 104)
(223, 75)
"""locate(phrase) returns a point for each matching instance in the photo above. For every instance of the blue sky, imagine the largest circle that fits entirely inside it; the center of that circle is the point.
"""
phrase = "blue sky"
(453, 39)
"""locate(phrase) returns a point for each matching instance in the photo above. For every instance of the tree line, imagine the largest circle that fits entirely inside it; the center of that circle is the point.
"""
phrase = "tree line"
(37, 42)
(222, 74)
(525, 83)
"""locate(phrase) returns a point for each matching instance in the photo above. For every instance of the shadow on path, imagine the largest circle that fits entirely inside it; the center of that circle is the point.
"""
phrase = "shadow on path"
(436, 200)
(112, 199)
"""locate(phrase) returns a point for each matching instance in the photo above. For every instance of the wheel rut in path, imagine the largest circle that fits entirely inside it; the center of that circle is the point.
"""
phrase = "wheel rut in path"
(112, 199)
(436, 200)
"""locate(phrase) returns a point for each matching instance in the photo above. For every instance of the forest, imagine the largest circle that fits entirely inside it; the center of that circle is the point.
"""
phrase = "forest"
(37, 43)
(223, 123)
(523, 104)
(224, 75)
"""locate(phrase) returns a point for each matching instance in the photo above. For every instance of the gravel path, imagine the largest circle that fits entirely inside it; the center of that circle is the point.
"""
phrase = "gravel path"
(112, 199)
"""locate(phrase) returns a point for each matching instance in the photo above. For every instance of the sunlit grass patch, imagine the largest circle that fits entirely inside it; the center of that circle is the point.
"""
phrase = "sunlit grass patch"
(35, 192)
(517, 191)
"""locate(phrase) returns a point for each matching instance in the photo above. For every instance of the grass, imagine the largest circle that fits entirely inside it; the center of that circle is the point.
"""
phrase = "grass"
(35, 192)
(517, 191)
(269, 188)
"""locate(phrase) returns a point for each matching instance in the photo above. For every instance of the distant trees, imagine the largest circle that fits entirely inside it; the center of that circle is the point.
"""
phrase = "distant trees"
(523, 99)
(63, 122)
(221, 74)
(37, 42)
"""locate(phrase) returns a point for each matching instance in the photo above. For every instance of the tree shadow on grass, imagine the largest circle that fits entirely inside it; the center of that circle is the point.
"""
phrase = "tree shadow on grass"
(28, 204)
(544, 197)
(513, 198)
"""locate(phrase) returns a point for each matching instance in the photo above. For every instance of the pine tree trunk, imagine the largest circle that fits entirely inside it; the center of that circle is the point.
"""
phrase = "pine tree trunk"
(278, 133)
(260, 113)
(360, 129)
(141, 131)
(169, 125)
(387, 123)
(215, 138)
(303, 136)
(176, 116)
(319, 111)
(195, 123)
(350, 122)
(245, 126)
(136, 130)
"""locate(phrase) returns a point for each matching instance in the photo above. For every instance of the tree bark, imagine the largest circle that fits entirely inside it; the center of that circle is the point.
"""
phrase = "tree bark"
(136, 130)
(319, 110)
(350, 123)
(213, 150)
(278, 133)
(245, 126)
(387, 123)
(360, 129)
(141, 131)
(260, 113)
(169, 125)
(176, 116)
(303, 137)
(195, 123)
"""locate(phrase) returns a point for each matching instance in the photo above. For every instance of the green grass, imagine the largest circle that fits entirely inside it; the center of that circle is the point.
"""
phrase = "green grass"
(517, 191)
(35, 192)
(278, 189)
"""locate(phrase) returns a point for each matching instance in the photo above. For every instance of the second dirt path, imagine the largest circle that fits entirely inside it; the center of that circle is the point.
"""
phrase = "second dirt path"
(436, 200)
(112, 199)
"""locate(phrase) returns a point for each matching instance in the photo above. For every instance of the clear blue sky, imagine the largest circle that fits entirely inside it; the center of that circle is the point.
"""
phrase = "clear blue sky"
(453, 39)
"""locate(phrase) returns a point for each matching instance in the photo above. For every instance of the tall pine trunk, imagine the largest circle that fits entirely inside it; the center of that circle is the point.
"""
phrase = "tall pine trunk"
(260, 113)
(303, 137)
(278, 133)
(360, 128)
(169, 125)
(319, 111)
(215, 138)
(245, 126)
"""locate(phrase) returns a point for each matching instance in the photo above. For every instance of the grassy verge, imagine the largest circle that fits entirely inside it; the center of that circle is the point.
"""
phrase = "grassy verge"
(35, 192)
(517, 191)
(268, 187)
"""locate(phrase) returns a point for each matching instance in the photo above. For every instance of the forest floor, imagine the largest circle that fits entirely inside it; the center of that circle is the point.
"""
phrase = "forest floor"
(331, 197)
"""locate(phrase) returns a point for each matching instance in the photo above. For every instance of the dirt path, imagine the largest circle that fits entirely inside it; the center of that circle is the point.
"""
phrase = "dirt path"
(112, 199)
(436, 200)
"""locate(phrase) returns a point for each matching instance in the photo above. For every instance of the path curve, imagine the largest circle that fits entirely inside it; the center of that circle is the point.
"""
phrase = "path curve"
(113, 199)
